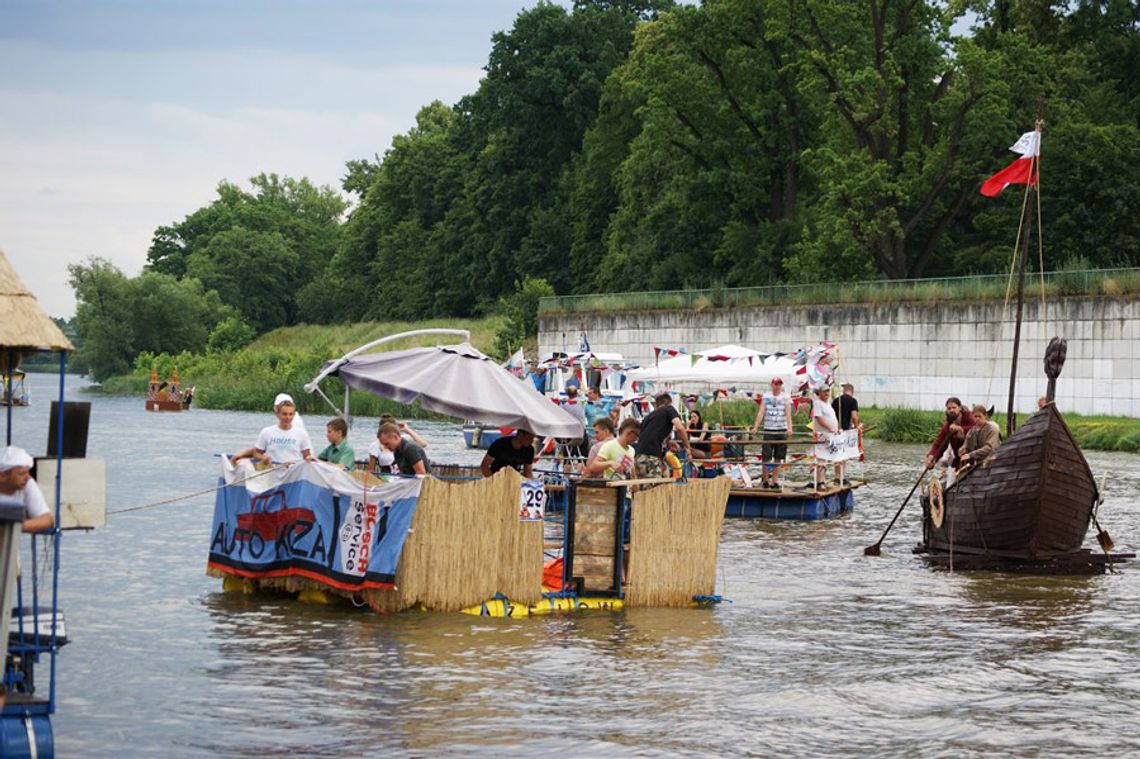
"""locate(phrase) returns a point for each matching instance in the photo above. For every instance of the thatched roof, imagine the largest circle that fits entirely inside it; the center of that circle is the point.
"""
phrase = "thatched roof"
(23, 324)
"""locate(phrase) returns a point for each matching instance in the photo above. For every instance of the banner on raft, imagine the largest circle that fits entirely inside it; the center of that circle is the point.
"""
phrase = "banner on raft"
(839, 447)
(310, 520)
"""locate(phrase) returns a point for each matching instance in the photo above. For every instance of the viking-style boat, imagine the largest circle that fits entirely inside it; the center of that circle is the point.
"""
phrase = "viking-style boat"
(1032, 499)
(167, 396)
(1028, 506)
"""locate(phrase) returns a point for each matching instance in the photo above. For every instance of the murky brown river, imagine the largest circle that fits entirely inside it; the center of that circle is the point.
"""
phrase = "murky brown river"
(823, 651)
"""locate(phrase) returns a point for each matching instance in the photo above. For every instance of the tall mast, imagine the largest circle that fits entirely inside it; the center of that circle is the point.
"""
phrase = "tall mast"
(1030, 204)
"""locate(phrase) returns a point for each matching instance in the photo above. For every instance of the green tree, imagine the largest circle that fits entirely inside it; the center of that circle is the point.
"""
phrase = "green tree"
(255, 271)
(520, 310)
(294, 212)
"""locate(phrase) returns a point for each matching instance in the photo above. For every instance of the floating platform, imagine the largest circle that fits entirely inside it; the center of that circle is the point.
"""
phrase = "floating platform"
(792, 501)
(1082, 562)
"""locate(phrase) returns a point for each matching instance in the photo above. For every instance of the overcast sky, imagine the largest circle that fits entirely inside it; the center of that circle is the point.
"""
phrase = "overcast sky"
(118, 117)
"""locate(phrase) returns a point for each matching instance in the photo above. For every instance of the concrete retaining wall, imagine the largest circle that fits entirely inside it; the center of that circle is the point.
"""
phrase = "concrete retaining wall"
(908, 354)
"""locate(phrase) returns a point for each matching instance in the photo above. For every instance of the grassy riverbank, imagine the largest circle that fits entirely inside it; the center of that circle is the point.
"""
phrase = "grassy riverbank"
(285, 359)
(897, 425)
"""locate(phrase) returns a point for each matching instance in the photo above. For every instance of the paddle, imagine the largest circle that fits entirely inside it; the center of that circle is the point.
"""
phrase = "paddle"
(875, 549)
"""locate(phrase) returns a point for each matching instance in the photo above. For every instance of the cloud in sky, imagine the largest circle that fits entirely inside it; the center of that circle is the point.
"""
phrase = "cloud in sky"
(119, 117)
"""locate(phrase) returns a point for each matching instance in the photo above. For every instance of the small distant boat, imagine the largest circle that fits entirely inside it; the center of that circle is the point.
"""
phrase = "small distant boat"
(169, 395)
(477, 435)
(13, 392)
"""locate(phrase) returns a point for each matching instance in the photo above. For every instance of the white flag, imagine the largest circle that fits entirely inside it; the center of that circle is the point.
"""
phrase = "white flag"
(1028, 145)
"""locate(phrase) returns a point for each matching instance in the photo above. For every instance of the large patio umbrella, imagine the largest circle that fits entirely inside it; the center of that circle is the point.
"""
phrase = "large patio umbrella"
(456, 380)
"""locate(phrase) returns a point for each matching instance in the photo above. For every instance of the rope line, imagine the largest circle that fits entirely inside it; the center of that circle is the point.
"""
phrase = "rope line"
(214, 489)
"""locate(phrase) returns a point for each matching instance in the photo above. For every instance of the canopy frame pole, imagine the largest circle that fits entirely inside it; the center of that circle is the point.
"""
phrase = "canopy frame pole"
(311, 387)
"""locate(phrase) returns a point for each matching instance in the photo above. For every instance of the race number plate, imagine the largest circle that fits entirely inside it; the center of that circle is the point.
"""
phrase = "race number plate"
(532, 500)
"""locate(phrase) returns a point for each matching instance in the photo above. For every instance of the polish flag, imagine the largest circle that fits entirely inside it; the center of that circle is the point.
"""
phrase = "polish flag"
(1021, 171)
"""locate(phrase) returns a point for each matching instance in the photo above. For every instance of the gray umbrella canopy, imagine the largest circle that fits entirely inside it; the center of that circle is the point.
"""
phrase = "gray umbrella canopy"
(459, 381)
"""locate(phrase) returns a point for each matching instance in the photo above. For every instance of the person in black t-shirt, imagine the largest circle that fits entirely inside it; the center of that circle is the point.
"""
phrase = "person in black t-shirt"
(847, 408)
(409, 457)
(516, 452)
(656, 427)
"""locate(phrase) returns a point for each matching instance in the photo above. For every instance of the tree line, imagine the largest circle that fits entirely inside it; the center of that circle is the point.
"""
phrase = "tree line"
(635, 145)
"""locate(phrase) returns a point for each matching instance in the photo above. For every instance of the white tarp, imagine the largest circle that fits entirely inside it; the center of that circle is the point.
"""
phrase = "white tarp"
(457, 380)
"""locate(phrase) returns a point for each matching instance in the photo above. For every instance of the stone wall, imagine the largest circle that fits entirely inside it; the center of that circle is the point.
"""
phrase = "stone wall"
(908, 354)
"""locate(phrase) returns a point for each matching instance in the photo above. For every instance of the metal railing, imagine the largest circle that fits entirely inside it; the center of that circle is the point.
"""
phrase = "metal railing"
(1110, 282)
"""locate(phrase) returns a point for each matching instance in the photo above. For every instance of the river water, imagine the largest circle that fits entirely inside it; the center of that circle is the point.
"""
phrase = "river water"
(823, 651)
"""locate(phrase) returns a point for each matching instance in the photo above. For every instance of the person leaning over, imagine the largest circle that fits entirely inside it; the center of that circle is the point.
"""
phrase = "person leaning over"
(280, 443)
(18, 488)
(656, 427)
(338, 450)
(408, 458)
(515, 452)
(982, 439)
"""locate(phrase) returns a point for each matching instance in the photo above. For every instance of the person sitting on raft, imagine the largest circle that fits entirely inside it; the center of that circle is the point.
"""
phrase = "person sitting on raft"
(954, 416)
(281, 443)
(338, 450)
(616, 457)
(408, 458)
(17, 488)
(982, 439)
(604, 431)
(516, 452)
(699, 435)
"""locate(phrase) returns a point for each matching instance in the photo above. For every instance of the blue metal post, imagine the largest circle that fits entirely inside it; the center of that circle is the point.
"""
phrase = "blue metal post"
(56, 533)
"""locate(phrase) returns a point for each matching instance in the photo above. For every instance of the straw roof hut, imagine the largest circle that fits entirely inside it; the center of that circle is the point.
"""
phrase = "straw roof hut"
(24, 327)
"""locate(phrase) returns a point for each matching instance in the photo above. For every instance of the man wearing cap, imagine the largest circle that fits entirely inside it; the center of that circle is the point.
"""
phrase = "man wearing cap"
(17, 488)
(775, 415)
(847, 408)
(281, 443)
(298, 422)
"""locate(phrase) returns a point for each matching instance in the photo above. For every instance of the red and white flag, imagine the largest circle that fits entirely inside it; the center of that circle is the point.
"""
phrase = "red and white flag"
(1021, 171)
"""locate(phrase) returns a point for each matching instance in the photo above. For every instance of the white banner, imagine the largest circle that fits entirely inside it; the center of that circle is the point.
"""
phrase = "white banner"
(838, 447)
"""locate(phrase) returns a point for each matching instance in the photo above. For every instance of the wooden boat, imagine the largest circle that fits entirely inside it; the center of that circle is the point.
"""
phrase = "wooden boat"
(12, 389)
(167, 396)
(1028, 506)
(1032, 499)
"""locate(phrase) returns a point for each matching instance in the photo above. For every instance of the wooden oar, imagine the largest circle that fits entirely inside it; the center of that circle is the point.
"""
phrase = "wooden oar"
(875, 549)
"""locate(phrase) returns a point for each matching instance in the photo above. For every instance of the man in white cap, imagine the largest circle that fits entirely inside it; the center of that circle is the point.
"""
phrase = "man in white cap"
(281, 443)
(19, 489)
(298, 422)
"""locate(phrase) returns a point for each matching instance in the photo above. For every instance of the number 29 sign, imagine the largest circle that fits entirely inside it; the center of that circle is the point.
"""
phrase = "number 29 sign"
(532, 500)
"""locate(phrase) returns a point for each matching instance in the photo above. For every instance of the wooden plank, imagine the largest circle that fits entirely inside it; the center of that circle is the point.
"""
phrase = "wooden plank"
(597, 572)
(596, 539)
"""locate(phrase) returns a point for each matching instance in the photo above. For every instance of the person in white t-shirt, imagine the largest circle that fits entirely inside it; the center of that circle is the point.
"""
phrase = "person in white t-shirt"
(18, 488)
(298, 422)
(281, 443)
(825, 424)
